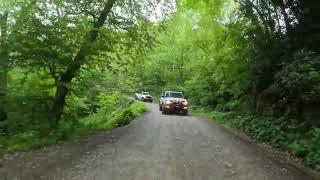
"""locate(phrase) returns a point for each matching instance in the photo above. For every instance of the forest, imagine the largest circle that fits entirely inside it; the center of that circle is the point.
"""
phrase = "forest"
(67, 68)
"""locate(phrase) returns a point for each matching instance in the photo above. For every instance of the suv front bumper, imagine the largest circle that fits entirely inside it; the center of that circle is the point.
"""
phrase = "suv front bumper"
(176, 108)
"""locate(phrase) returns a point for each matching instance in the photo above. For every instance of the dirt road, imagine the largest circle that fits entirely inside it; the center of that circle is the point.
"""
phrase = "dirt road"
(153, 147)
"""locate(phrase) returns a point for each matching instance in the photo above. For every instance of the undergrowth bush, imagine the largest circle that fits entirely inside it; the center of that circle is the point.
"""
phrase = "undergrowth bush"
(124, 117)
(72, 128)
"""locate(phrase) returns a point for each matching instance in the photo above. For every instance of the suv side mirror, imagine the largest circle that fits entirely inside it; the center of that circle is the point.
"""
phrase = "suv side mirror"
(162, 96)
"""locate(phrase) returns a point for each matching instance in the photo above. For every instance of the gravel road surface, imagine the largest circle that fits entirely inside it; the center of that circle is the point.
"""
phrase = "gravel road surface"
(153, 147)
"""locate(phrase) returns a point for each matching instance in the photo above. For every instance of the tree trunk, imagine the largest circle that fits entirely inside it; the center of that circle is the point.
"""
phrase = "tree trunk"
(74, 67)
(270, 20)
(59, 102)
(257, 16)
(4, 63)
(286, 19)
(249, 8)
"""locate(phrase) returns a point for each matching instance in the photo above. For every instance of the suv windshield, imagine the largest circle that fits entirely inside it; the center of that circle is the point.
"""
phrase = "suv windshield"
(145, 93)
(175, 94)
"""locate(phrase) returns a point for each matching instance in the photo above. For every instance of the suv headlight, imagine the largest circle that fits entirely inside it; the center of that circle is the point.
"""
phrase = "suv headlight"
(168, 102)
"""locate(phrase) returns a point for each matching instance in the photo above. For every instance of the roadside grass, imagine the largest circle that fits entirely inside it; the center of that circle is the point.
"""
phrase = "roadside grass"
(71, 129)
(282, 133)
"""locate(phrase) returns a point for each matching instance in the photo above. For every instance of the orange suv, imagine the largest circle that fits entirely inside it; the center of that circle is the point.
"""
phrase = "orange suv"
(172, 101)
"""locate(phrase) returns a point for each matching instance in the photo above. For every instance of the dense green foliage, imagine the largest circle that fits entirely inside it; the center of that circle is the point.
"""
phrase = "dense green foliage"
(241, 56)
